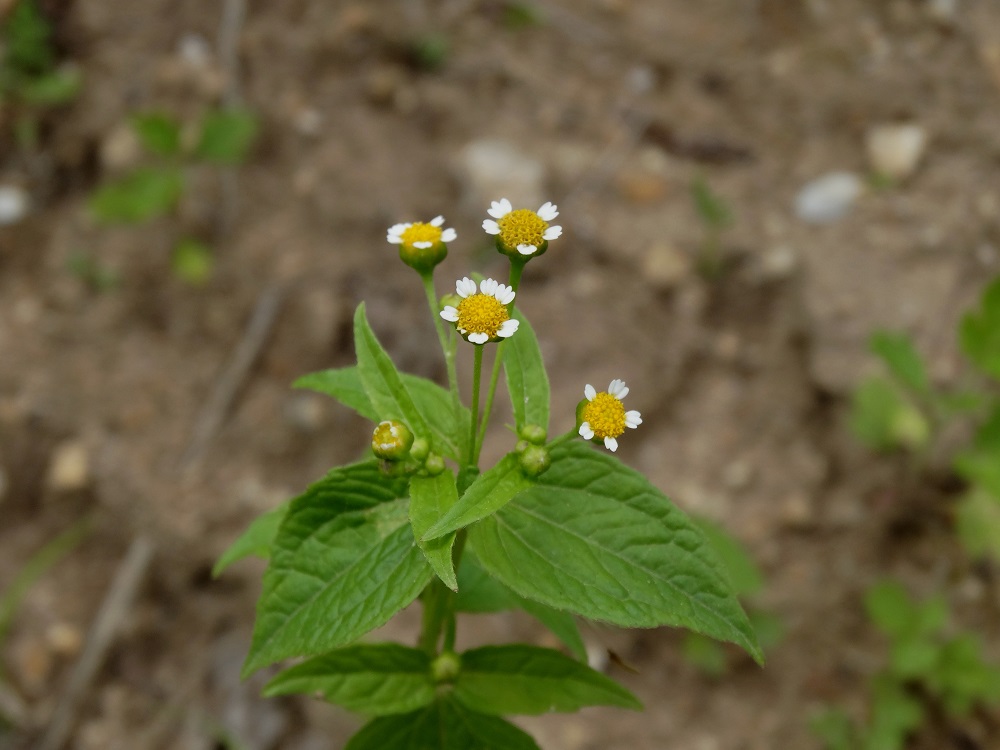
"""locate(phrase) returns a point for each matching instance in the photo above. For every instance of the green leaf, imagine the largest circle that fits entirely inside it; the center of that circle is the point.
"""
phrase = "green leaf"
(145, 194)
(374, 679)
(913, 657)
(712, 209)
(891, 609)
(895, 714)
(963, 678)
(256, 541)
(835, 729)
(480, 593)
(158, 132)
(527, 382)
(444, 725)
(227, 136)
(596, 538)
(192, 262)
(49, 90)
(27, 36)
(977, 521)
(769, 628)
(979, 332)
(882, 419)
(381, 381)
(902, 359)
(490, 492)
(343, 562)
(521, 679)
(433, 402)
(704, 653)
(430, 499)
(743, 572)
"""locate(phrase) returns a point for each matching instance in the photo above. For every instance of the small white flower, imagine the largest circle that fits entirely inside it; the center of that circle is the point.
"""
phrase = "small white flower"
(605, 417)
(482, 315)
(421, 235)
(522, 230)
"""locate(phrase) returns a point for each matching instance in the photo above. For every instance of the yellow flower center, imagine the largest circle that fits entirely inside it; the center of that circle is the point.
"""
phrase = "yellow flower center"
(606, 416)
(421, 232)
(481, 313)
(522, 227)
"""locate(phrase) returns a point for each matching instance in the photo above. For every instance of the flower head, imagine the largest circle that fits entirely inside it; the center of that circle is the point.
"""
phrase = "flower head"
(603, 415)
(391, 440)
(482, 315)
(521, 233)
(422, 245)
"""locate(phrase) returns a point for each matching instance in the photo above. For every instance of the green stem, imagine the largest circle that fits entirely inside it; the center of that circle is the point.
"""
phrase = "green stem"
(477, 376)
(447, 343)
(436, 606)
(564, 438)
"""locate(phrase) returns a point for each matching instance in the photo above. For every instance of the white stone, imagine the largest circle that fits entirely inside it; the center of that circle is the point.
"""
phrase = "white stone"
(69, 467)
(14, 204)
(895, 150)
(665, 266)
(828, 198)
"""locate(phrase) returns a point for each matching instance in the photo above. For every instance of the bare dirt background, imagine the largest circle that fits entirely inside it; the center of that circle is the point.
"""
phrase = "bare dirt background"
(609, 108)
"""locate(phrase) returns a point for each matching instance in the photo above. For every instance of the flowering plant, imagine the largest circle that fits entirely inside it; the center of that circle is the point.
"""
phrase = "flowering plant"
(558, 528)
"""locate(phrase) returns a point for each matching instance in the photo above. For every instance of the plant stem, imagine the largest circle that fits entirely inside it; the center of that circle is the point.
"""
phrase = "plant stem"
(436, 606)
(477, 375)
(447, 343)
(564, 438)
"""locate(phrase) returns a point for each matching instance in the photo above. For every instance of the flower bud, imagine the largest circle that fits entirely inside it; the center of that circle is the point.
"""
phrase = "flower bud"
(446, 666)
(534, 433)
(434, 464)
(391, 440)
(534, 461)
(419, 450)
(521, 446)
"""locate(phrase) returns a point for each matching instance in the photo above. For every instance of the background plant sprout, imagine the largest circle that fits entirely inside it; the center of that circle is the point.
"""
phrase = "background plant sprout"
(557, 528)
(716, 217)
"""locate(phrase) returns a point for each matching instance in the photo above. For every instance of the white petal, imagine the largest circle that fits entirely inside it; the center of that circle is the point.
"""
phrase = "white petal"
(526, 249)
(499, 209)
(394, 239)
(450, 313)
(448, 235)
(491, 227)
(436, 221)
(423, 245)
(618, 389)
(585, 432)
(590, 392)
(507, 329)
(465, 287)
(547, 212)
(552, 233)
(478, 338)
(632, 419)
(488, 286)
(504, 294)
(398, 229)
(611, 444)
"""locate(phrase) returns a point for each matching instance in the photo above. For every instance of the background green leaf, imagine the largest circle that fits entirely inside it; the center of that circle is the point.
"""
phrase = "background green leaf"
(979, 332)
(158, 132)
(256, 541)
(902, 359)
(373, 679)
(444, 725)
(27, 37)
(522, 679)
(527, 381)
(144, 194)
(596, 538)
(343, 562)
(882, 419)
(743, 572)
(192, 261)
(227, 136)
(430, 499)
(57, 87)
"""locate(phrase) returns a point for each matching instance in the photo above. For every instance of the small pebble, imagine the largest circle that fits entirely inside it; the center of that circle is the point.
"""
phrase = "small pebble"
(69, 467)
(828, 198)
(14, 204)
(664, 266)
(895, 150)
(64, 639)
(779, 263)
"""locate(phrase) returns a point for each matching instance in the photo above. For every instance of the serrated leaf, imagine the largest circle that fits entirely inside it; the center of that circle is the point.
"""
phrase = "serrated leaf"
(343, 562)
(596, 538)
(490, 492)
(902, 359)
(430, 499)
(979, 332)
(444, 725)
(145, 194)
(433, 401)
(382, 383)
(743, 572)
(373, 679)
(527, 381)
(227, 136)
(256, 541)
(158, 132)
(521, 679)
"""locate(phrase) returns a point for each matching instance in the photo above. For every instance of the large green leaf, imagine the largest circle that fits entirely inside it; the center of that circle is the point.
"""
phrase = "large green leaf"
(430, 499)
(596, 538)
(343, 563)
(902, 359)
(434, 402)
(521, 679)
(256, 541)
(374, 679)
(490, 492)
(527, 382)
(444, 725)
(979, 332)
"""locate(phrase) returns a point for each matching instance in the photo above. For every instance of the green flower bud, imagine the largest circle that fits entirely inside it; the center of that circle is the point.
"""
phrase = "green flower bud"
(534, 461)
(521, 446)
(419, 450)
(423, 259)
(445, 667)
(391, 440)
(534, 433)
(434, 464)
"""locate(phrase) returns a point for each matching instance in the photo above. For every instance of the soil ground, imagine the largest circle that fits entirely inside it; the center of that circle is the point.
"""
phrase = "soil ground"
(610, 108)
